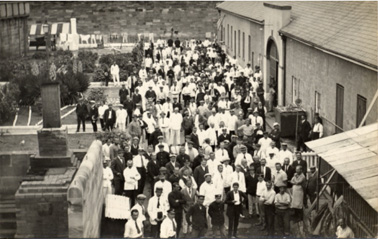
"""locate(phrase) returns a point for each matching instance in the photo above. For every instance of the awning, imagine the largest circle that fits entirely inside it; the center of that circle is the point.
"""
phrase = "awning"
(354, 155)
(54, 29)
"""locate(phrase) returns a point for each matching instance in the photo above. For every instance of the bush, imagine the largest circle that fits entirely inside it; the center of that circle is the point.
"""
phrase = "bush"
(9, 97)
(126, 62)
(101, 73)
(72, 86)
(88, 60)
(97, 94)
(29, 87)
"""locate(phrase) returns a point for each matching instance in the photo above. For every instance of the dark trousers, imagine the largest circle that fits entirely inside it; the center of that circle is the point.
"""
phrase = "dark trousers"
(198, 233)
(131, 194)
(178, 218)
(102, 123)
(301, 144)
(94, 124)
(142, 180)
(109, 125)
(187, 132)
(220, 229)
(283, 220)
(118, 186)
(148, 137)
(80, 120)
(269, 219)
(233, 221)
(155, 230)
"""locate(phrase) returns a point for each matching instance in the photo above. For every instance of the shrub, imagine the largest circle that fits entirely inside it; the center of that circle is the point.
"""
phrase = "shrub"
(101, 73)
(72, 86)
(9, 97)
(88, 60)
(97, 94)
(29, 87)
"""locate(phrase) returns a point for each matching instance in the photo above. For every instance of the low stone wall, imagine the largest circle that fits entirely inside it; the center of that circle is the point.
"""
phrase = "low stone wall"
(13, 167)
(85, 196)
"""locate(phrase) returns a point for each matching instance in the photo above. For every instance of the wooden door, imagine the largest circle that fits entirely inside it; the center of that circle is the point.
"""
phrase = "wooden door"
(361, 109)
(339, 107)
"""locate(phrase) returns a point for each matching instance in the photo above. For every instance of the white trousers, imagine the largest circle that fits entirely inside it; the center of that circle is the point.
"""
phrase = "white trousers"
(115, 79)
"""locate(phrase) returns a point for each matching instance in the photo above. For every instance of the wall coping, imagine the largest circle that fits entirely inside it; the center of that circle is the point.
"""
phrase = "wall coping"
(275, 6)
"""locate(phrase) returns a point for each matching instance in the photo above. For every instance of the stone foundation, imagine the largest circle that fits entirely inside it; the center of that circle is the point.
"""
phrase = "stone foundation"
(53, 141)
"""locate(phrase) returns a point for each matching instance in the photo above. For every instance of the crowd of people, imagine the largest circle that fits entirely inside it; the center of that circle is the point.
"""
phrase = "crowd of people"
(195, 131)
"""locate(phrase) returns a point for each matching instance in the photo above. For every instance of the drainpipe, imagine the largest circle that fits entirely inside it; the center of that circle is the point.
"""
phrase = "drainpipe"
(284, 39)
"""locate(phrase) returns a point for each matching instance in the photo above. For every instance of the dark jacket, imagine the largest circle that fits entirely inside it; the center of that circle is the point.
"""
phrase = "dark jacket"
(194, 139)
(199, 175)
(170, 167)
(172, 197)
(300, 163)
(106, 116)
(189, 199)
(268, 173)
(196, 216)
(162, 158)
(93, 113)
(123, 93)
(251, 184)
(304, 130)
(230, 202)
(181, 158)
(117, 167)
(154, 137)
(152, 170)
(81, 111)
(223, 137)
(216, 210)
(290, 173)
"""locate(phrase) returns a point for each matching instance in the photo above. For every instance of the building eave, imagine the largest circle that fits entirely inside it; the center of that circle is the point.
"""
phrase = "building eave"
(243, 17)
(332, 52)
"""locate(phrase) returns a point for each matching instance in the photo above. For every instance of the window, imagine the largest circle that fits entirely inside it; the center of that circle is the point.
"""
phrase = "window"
(228, 35)
(249, 50)
(317, 102)
(243, 47)
(239, 43)
(295, 89)
(339, 108)
(231, 39)
(361, 110)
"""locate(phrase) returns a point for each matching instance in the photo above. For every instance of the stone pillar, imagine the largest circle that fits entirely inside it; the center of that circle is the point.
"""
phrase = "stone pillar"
(50, 93)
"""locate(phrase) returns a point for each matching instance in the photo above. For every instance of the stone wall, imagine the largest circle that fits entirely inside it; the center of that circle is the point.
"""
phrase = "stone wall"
(191, 19)
(85, 196)
(13, 167)
(13, 29)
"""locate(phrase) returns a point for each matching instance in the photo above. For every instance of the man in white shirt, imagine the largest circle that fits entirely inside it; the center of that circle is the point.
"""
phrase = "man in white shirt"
(106, 150)
(101, 111)
(221, 153)
(255, 118)
(268, 200)
(107, 175)
(163, 123)
(212, 135)
(212, 164)
(131, 177)
(175, 125)
(265, 142)
(139, 206)
(168, 227)
(157, 210)
(121, 118)
(243, 155)
(227, 175)
(165, 185)
(285, 153)
(151, 123)
(114, 71)
(218, 180)
(134, 227)
(231, 122)
(272, 150)
(239, 177)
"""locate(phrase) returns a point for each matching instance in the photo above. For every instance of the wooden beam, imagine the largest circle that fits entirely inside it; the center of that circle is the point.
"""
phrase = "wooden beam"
(369, 109)
(321, 192)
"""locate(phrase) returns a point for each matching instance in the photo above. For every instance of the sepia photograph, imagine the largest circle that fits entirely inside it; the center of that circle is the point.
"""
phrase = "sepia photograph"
(189, 119)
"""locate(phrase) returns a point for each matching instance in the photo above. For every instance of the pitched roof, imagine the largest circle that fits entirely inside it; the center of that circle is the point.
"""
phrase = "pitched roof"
(349, 29)
(354, 155)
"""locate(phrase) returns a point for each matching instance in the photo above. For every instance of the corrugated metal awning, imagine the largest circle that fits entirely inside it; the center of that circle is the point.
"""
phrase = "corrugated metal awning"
(354, 155)
(54, 29)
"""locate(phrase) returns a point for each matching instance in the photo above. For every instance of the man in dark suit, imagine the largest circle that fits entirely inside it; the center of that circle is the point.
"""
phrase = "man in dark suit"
(117, 166)
(81, 114)
(172, 164)
(234, 200)
(199, 173)
(198, 159)
(196, 217)
(304, 129)
(289, 170)
(224, 136)
(153, 172)
(300, 162)
(264, 170)
(128, 105)
(312, 183)
(162, 156)
(110, 118)
(123, 93)
(189, 195)
(182, 157)
(194, 138)
(127, 155)
(93, 113)
(251, 185)
(154, 136)
(176, 202)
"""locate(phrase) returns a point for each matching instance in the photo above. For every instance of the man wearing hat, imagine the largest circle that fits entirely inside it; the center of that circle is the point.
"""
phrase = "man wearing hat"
(207, 189)
(134, 128)
(161, 143)
(93, 113)
(81, 114)
(216, 213)
(154, 137)
(285, 153)
(312, 183)
(118, 166)
(200, 171)
(163, 183)
(256, 119)
(131, 176)
(121, 116)
(175, 126)
(123, 93)
(196, 217)
(223, 136)
(176, 202)
(163, 123)
(110, 118)
(282, 203)
(153, 172)
(162, 156)
(172, 164)
(169, 227)
(140, 162)
(275, 135)
(157, 210)
(139, 206)
(264, 142)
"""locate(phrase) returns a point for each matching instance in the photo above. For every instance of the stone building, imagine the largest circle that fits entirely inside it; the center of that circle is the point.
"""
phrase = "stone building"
(190, 19)
(324, 53)
(13, 29)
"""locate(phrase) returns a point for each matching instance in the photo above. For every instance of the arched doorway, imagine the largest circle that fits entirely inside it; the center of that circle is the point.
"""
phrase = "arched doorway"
(272, 70)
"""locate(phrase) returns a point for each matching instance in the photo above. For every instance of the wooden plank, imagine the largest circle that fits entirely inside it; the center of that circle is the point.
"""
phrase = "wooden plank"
(338, 149)
(364, 159)
(361, 168)
(352, 156)
(373, 203)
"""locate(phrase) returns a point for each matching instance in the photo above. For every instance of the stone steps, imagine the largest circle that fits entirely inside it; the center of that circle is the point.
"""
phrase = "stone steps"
(8, 221)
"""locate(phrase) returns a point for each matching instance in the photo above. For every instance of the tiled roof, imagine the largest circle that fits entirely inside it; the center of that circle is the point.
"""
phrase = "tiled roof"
(346, 28)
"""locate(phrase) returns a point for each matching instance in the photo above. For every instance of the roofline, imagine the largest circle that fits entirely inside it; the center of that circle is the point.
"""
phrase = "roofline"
(241, 16)
(332, 52)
